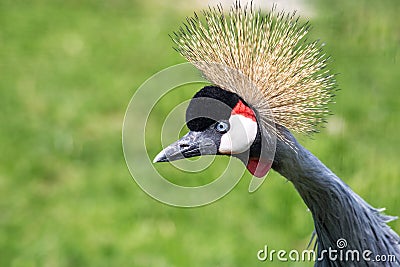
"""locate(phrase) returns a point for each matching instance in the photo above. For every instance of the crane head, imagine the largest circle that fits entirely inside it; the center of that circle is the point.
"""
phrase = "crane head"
(220, 123)
(265, 74)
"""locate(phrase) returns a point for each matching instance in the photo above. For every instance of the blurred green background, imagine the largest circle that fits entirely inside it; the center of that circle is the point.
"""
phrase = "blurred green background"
(67, 72)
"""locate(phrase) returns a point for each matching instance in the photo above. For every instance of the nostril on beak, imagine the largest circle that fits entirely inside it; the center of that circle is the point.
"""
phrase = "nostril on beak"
(183, 146)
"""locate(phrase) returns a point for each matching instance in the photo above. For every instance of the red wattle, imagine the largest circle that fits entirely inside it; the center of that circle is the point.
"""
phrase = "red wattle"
(258, 168)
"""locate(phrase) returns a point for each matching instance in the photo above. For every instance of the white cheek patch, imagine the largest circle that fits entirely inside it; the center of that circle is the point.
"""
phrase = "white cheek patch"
(240, 136)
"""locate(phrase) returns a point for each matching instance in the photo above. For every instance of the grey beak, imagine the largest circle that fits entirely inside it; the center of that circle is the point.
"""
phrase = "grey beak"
(191, 145)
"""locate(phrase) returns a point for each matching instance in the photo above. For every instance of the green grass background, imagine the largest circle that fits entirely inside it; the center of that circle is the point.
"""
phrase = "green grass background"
(67, 72)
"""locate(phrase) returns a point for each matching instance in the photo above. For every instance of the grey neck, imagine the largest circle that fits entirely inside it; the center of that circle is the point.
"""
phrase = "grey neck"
(338, 212)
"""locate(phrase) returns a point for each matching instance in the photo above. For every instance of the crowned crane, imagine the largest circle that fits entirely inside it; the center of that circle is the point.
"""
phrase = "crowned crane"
(291, 92)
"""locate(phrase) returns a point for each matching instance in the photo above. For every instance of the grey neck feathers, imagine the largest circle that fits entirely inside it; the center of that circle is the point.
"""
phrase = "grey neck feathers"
(337, 211)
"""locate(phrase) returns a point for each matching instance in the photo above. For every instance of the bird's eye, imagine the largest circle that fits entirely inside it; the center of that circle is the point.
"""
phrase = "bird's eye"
(222, 126)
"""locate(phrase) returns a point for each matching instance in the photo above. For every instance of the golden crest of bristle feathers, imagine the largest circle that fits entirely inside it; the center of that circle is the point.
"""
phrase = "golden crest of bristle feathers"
(289, 74)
